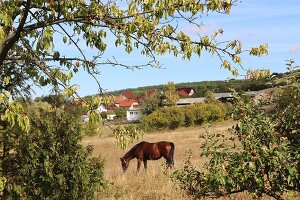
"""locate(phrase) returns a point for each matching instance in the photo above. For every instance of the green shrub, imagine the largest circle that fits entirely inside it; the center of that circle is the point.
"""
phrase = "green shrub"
(103, 115)
(49, 162)
(189, 116)
(200, 114)
(120, 113)
(174, 117)
(163, 118)
(215, 111)
(91, 129)
(262, 156)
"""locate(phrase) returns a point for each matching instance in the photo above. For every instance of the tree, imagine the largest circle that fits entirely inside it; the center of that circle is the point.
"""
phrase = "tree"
(261, 156)
(34, 34)
(31, 34)
(49, 162)
(152, 102)
(209, 97)
(170, 95)
(120, 113)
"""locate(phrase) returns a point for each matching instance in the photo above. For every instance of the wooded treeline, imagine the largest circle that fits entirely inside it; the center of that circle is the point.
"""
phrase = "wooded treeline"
(219, 86)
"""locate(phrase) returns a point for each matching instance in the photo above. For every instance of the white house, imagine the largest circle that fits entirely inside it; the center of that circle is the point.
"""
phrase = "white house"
(133, 114)
(102, 108)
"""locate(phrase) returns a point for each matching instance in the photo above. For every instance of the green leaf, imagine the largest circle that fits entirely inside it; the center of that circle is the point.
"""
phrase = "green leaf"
(6, 80)
(65, 39)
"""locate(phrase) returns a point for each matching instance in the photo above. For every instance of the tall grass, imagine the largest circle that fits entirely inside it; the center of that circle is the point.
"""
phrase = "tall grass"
(155, 183)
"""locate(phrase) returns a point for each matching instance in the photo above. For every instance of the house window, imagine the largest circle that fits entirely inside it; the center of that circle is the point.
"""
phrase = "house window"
(131, 113)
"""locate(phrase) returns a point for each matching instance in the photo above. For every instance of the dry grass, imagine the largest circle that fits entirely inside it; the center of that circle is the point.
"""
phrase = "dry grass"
(153, 183)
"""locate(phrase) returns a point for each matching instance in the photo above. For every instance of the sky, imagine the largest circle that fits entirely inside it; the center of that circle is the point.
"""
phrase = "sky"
(254, 22)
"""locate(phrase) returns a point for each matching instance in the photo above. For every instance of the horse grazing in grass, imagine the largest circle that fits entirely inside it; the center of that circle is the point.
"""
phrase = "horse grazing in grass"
(145, 151)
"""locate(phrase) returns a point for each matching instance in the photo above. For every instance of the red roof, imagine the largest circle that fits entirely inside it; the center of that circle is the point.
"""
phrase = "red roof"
(128, 94)
(182, 93)
(127, 103)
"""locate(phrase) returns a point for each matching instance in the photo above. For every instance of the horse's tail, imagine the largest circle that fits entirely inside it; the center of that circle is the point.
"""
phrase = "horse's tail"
(172, 154)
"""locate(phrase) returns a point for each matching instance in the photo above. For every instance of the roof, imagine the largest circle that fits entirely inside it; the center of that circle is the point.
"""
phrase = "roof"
(187, 101)
(186, 90)
(129, 94)
(182, 93)
(127, 103)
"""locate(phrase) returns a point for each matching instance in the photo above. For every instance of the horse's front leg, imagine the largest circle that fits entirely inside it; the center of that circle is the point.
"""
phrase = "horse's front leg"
(145, 164)
(139, 161)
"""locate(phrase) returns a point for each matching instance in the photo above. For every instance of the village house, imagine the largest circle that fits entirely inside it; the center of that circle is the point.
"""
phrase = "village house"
(185, 92)
(133, 114)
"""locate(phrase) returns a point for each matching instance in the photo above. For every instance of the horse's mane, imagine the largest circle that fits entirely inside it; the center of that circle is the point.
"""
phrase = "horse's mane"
(132, 150)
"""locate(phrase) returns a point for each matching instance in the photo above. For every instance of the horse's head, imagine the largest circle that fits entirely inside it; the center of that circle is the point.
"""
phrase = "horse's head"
(124, 163)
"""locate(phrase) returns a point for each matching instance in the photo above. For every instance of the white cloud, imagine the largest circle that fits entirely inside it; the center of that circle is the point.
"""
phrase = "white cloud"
(295, 48)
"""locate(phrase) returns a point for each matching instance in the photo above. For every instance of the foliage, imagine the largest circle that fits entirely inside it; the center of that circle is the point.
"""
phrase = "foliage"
(261, 156)
(174, 117)
(95, 128)
(120, 113)
(151, 102)
(209, 97)
(189, 116)
(125, 135)
(170, 96)
(35, 38)
(48, 162)
(57, 100)
(104, 115)
(30, 32)
(225, 86)
(163, 118)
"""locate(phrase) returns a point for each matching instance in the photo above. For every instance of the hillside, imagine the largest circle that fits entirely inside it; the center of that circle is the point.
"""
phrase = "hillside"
(221, 86)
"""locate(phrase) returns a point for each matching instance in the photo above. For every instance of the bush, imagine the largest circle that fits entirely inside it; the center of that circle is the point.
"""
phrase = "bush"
(261, 157)
(174, 117)
(215, 111)
(120, 113)
(103, 115)
(49, 162)
(92, 128)
(163, 118)
(189, 116)
(200, 114)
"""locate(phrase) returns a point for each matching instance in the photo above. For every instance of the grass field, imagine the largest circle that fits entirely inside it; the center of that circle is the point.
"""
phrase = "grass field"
(153, 183)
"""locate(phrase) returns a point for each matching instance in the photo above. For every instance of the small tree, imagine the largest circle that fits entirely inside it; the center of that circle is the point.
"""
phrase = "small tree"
(35, 38)
(170, 96)
(152, 102)
(209, 97)
(49, 162)
(120, 113)
(261, 157)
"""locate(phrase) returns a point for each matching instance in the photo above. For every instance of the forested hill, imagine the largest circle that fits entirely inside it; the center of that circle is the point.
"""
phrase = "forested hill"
(219, 86)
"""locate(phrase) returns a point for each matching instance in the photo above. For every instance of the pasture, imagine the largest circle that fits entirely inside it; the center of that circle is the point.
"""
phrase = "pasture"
(153, 183)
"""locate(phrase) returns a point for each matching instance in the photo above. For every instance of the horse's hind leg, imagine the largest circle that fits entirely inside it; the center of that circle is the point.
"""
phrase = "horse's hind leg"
(170, 163)
(170, 159)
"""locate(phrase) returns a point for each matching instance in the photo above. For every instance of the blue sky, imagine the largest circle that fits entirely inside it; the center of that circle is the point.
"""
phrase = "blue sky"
(252, 21)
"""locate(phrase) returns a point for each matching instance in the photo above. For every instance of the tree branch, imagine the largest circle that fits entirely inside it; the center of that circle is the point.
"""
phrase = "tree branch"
(12, 39)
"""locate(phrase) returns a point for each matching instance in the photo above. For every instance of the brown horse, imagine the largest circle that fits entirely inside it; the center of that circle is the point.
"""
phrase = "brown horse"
(149, 151)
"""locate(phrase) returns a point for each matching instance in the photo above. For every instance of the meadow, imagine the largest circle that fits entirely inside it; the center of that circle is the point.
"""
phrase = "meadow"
(153, 183)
